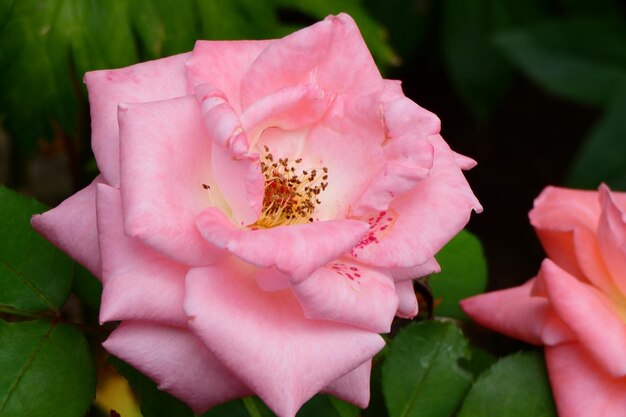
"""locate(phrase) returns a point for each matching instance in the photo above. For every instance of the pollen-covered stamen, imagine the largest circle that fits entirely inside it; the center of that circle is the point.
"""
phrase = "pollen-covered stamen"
(290, 194)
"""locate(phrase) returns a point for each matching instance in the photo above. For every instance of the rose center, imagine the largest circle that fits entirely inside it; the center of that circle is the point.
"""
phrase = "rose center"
(291, 194)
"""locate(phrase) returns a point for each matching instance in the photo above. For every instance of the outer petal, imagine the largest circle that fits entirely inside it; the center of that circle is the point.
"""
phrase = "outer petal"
(139, 283)
(284, 357)
(407, 301)
(177, 361)
(590, 315)
(409, 154)
(353, 387)
(427, 216)
(331, 54)
(516, 314)
(349, 293)
(165, 156)
(71, 226)
(431, 266)
(581, 387)
(148, 81)
(296, 250)
(612, 238)
(223, 64)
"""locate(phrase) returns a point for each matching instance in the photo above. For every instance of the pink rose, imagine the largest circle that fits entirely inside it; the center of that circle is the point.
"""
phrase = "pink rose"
(261, 209)
(576, 306)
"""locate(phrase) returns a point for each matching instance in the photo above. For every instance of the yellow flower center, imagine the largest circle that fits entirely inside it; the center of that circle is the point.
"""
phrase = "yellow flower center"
(290, 195)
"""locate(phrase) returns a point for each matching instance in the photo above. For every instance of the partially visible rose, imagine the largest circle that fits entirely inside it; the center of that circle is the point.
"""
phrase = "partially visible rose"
(261, 209)
(576, 306)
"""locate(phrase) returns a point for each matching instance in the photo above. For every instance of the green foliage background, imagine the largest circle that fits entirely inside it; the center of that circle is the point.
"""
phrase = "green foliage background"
(556, 67)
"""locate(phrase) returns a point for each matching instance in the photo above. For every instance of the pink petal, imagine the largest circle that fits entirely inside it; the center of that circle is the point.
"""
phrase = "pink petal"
(148, 81)
(563, 209)
(289, 108)
(515, 313)
(237, 172)
(349, 293)
(330, 53)
(139, 283)
(407, 305)
(348, 142)
(177, 361)
(565, 221)
(409, 155)
(464, 162)
(409, 273)
(296, 250)
(612, 238)
(428, 216)
(266, 341)
(582, 388)
(165, 160)
(589, 314)
(223, 65)
(354, 387)
(71, 226)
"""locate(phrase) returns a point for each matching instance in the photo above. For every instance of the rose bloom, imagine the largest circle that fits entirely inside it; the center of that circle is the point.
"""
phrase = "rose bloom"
(576, 306)
(261, 210)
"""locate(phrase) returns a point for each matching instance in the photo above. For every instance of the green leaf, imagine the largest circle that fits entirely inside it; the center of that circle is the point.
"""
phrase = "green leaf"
(87, 287)
(34, 275)
(153, 402)
(479, 361)
(602, 157)
(582, 60)
(588, 8)
(327, 406)
(516, 385)
(421, 377)
(241, 19)
(463, 274)
(478, 70)
(47, 370)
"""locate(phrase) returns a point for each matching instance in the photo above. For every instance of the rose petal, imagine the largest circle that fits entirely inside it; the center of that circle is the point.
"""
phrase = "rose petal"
(582, 388)
(589, 314)
(515, 313)
(237, 172)
(71, 226)
(330, 53)
(288, 358)
(289, 108)
(409, 273)
(296, 250)
(147, 81)
(407, 301)
(348, 293)
(354, 387)
(159, 352)
(223, 64)
(165, 158)
(428, 216)
(139, 283)
(563, 209)
(612, 238)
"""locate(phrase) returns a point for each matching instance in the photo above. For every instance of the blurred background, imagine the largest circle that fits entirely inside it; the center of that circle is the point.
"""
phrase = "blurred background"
(535, 91)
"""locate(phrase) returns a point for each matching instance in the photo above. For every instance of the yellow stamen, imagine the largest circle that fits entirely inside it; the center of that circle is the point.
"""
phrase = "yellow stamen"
(288, 198)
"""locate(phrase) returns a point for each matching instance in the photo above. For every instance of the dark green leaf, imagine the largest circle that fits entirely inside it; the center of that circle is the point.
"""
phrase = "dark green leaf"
(327, 406)
(87, 287)
(46, 370)
(421, 377)
(602, 157)
(589, 8)
(165, 27)
(476, 67)
(153, 402)
(229, 409)
(479, 361)
(515, 386)
(34, 275)
(242, 19)
(583, 60)
(463, 274)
